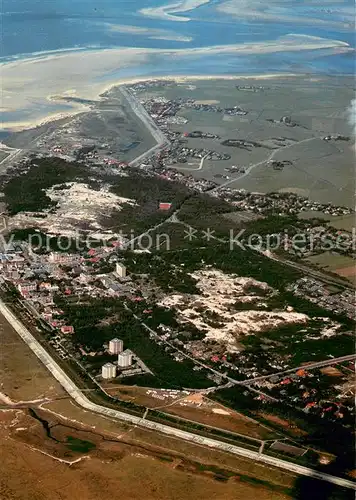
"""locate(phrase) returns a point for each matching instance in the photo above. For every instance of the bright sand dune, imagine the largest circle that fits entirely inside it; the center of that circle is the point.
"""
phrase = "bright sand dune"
(153, 33)
(28, 83)
(168, 12)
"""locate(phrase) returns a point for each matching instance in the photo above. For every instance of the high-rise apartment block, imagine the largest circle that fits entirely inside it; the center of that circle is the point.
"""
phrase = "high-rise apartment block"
(124, 359)
(108, 371)
(116, 346)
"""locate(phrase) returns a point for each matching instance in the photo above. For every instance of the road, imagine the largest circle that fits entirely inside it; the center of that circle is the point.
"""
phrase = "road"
(18, 154)
(84, 402)
(172, 218)
(331, 280)
(187, 356)
(317, 364)
(142, 115)
(201, 165)
(11, 157)
(271, 156)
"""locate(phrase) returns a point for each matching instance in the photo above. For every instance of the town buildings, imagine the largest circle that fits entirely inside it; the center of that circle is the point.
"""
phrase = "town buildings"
(120, 270)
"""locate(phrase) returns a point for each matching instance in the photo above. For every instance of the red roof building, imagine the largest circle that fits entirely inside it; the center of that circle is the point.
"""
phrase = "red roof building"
(165, 206)
(67, 329)
(310, 405)
(286, 381)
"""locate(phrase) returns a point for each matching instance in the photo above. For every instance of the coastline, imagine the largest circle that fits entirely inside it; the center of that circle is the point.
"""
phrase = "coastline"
(26, 81)
(188, 78)
(21, 126)
(77, 108)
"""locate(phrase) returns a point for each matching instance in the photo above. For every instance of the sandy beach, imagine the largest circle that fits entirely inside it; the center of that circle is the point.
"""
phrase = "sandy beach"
(80, 108)
(28, 85)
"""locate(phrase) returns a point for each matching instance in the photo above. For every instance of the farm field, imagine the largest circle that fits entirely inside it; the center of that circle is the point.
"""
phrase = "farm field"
(317, 108)
(339, 264)
(347, 222)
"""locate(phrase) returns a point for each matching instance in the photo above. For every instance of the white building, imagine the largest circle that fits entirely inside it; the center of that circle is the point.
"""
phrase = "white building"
(116, 346)
(108, 371)
(26, 287)
(61, 258)
(120, 270)
(124, 359)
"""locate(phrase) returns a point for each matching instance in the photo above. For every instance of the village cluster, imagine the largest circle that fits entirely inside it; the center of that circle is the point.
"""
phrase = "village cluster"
(317, 292)
(306, 390)
(40, 277)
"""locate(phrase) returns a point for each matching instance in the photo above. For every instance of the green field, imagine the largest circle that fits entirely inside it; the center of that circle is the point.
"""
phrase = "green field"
(321, 169)
(335, 263)
(345, 222)
(331, 260)
(342, 222)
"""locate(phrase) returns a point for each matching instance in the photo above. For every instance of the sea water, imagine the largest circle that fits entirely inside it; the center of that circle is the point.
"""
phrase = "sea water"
(34, 29)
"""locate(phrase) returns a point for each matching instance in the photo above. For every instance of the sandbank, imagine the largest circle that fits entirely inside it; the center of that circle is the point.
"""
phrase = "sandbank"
(28, 84)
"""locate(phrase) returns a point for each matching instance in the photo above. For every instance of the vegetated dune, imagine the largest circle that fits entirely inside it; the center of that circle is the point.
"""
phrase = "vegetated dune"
(77, 203)
(216, 305)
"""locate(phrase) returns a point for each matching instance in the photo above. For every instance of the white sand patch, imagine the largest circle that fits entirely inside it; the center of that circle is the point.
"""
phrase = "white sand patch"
(27, 83)
(219, 411)
(219, 293)
(207, 101)
(167, 12)
(155, 34)
(76, 204)
(330, 330)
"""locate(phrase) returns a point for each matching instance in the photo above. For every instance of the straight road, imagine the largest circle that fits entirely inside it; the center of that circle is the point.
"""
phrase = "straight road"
(331, 280)
(142, 115)
(172, 218)
(11, 157)
(84, 402)
(317, 364)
